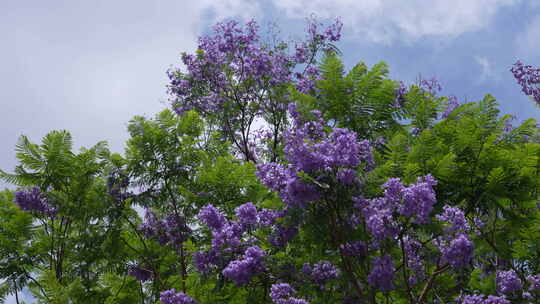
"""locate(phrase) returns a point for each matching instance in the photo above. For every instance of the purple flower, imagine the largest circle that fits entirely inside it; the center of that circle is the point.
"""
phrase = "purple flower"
(333, 32)
(414, 260)
(33, 200)
(535, 282)
(267, 217)
(152, 227)
(346, 176)
(205, 261)
(481, 299)
(401, 90)
(458, 252)
(173, 230)
(451, 105)
(321, 273)
(379, 219)
(282, 235)
(508, 282)
(431, 85)
(456, 218)
(418, 199)
(247, 214)
(213, 218)
(241, 271)
(282, 293)
(171, 297)
(140, 273)
(528, 77)
(382, 273)
(355, 249)
(229, 235)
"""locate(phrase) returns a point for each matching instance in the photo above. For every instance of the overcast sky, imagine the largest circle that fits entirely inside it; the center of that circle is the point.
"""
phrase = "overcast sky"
(89, 66)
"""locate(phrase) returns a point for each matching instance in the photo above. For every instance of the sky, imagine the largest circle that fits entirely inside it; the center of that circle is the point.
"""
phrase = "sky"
(90, 66)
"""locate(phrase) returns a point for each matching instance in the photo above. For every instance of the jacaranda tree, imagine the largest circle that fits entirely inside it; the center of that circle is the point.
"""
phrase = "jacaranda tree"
(279, 176)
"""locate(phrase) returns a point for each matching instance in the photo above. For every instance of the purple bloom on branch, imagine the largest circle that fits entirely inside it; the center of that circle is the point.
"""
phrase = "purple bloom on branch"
(458, 252)
(382, 273)
(140, 273)
(535, 282)
(172, 297)
(508, 282)
(33, 200)
(247, 214)
(528, 77)
(241, 271)
(212, 217)
(282, 293)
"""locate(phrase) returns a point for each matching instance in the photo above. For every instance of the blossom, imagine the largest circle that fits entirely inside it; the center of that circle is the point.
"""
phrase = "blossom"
(458, 252)
(247, 214)
(33, 200)
(451, 105)
(535, 282)
(213, 218)
(382, 273)
(528, 77)
(355, 249)
(481, 299)
(172, 297)
(140, 273)
(400, 92)
(455, 217)
(508, 282)
(242, 270)
(282, 293)
(321, 272)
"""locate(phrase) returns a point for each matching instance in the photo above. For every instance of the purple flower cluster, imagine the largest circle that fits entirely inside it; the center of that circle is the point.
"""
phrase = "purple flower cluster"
(239, 51)
(205, 261)
(458, 252)
(535, 282)
(241, 271)
(354, 249)
(117, 185)
(212, 217)
(455, 218)
(378, 215)
(456, 247)
(508, 282)
(247, 214)
(414, 260)
(33, 200)
(227, 240)
(321, 273)
(481, 299)
(415, 202)
(432, 85)
(282, 293)
(528, 77)
(382, 273)
(172, 230)
(451, 105)
(401, 90)
(140, 273)
(308, 149)
(282, 235)
(172, 297)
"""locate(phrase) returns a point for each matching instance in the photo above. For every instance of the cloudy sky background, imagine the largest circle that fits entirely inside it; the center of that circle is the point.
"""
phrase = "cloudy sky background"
(90, 66)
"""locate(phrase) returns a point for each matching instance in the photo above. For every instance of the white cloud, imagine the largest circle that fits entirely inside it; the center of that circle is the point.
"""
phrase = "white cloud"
(386, 21)
(487, 69)
(527, 42)
(104, 61)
